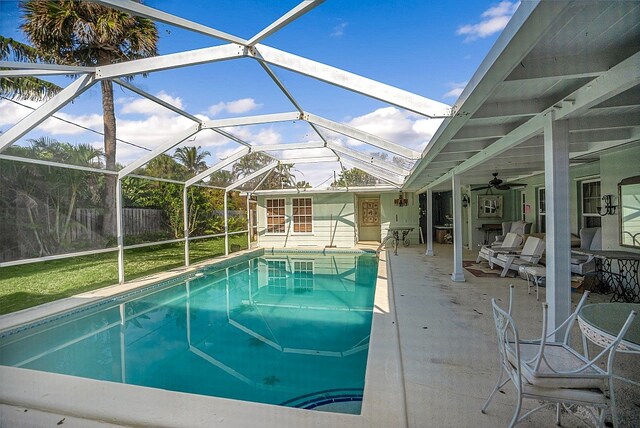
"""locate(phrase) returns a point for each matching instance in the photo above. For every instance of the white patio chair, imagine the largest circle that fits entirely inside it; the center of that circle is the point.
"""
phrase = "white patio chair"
(553, 372)
(529, 255)
(510, 242)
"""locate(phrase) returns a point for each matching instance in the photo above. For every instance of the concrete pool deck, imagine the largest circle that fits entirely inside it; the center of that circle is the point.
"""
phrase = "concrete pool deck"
(442, 365)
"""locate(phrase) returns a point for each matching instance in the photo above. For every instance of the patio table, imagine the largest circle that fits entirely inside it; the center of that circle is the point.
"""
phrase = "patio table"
(601, 322)
(625, 283)
(395, 233)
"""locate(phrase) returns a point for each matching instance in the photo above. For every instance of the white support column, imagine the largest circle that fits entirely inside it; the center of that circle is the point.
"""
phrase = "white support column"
(185, 219)
(469, 219)
(458, 273)
(429, 209)
(226, 226)
(557, 199)
(119, 231)
(248, 221)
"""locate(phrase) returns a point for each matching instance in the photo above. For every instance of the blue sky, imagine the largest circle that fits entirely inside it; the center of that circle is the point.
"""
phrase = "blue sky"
(430, 48)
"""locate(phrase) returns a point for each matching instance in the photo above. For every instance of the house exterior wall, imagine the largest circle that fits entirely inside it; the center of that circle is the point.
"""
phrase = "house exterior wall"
(612, 168)
(392, 215)
(341, 229)
(615, 167)
(333, 222)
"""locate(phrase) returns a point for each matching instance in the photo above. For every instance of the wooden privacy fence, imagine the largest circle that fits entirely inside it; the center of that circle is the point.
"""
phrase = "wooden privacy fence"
(87, 223)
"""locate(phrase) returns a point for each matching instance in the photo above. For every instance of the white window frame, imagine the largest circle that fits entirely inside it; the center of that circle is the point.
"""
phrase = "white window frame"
(281, 286)
(541, 216)
(293, 217)
(581, 184)
(266, 216)
(307, 284)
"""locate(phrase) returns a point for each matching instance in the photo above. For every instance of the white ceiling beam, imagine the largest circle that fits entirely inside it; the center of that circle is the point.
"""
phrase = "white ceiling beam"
(252, 176)
(280, 85)
(615, 81)
(351, 81)
(230, 136)
(58, 165)
(528, 23)
(174, 141)
(627, 99)
(288, 146)
(34, 72)
(156, 100)
(45, 111)
(137, 9)
(252, 120)
(612, 121)
(466, 146)
(473, 133)
(376, 172)
(65, 69)
(525, 109)
(285, 19)
(169, 61)
(218, 166)
(319, 159)
(567, 67)
(387, 166)
(359, 135)
(597, 136)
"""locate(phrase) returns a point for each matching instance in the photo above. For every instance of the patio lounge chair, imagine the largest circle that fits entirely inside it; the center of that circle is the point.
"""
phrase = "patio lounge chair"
(553, 372)
(511, 241)
(520, 227)
(530, 255)
(590, 240)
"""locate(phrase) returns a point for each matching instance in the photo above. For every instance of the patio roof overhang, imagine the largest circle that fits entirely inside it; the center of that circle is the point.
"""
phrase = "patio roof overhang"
(579, 60)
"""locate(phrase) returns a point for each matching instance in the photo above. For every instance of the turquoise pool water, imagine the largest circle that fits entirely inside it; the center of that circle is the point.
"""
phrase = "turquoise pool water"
(287, 329)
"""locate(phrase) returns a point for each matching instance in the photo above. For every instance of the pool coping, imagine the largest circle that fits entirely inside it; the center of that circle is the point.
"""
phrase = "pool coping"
(121, 404)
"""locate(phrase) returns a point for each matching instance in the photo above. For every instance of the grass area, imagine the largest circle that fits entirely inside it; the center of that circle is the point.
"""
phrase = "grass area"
(32, 284)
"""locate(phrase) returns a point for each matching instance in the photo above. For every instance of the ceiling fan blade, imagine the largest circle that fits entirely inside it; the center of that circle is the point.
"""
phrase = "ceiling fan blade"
(517, 184)
(481, 188)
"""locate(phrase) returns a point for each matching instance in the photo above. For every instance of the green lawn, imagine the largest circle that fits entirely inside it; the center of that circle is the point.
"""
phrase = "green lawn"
(32, 284)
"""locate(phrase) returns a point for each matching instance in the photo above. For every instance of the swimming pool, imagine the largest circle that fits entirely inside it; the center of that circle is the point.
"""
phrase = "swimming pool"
(288, 329)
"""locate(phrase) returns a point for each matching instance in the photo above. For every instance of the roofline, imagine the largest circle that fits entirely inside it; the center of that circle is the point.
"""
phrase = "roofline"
(517, 39)
(295, 191)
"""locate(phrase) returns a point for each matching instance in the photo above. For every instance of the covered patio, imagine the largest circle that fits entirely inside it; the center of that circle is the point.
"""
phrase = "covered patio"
(559, 90)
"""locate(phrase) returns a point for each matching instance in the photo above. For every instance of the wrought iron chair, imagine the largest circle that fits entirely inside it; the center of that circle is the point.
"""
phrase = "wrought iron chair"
(510, 242)
(550, 371)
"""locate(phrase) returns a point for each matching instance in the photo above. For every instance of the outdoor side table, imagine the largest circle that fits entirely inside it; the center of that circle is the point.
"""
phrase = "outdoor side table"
(534, 274)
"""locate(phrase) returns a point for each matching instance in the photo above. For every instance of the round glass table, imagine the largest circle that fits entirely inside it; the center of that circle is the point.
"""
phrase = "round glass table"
(601, 323)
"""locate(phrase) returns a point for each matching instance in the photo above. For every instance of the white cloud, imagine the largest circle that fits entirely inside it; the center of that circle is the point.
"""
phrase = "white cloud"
(456, 89)
(242, 105)
(338, 30)
(492, 21)
(398, 126)
(148, 107)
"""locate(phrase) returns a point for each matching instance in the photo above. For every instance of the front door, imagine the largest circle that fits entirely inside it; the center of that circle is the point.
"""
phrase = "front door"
(369, 219)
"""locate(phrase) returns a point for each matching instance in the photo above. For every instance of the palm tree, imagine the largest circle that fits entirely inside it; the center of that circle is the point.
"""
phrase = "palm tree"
(221, 178)
(250, 163)
(87, 34)
(29, 88)
(192, 159)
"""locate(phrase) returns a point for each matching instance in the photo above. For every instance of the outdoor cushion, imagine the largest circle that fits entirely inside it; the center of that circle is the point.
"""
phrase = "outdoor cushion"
(577, 259)
(563, 360)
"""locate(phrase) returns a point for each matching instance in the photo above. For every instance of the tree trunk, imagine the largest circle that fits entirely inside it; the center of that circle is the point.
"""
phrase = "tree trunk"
(109, 119)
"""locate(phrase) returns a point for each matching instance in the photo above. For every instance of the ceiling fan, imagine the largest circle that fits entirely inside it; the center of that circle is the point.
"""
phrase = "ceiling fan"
(498, 184)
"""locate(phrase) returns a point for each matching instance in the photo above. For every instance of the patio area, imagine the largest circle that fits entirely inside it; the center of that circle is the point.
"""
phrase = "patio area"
(447, 354)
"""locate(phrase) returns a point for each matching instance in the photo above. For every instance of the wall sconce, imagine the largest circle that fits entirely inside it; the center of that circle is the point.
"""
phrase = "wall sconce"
(609, 208)
(401, 201)
(465, 200)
